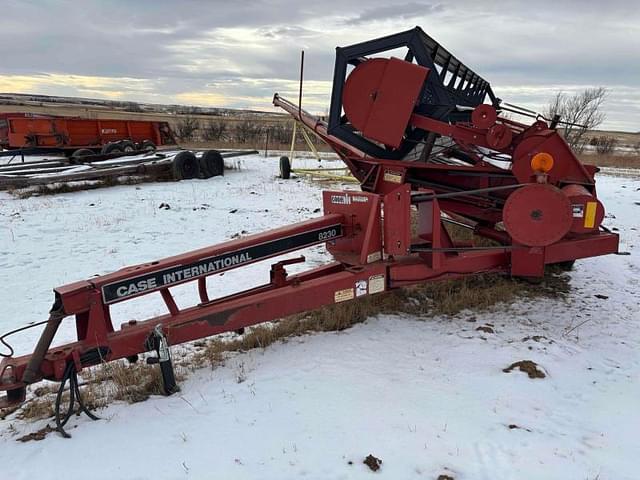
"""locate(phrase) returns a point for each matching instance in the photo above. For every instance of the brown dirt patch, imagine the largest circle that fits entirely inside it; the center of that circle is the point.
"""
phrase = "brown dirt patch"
(485, 329)
(527, 366)
(372, 462)
(37, 435)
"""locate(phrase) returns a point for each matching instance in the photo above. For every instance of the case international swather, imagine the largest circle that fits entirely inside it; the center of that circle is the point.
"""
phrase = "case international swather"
(418, 135)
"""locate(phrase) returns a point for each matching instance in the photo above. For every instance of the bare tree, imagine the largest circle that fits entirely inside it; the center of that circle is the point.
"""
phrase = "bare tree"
(281, 132)
(186, 127)
(582, 112)
(604, 144)
(215, 130)
(247, 131)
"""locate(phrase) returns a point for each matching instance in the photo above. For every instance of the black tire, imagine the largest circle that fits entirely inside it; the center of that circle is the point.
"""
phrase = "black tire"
(185, 166)
(148, 146)
(285, 168)
(127, 146)
(111, 148)
(211, 164)
(82, 152)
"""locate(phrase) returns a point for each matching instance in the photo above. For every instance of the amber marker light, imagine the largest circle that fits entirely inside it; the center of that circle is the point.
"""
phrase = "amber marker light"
(542, 162)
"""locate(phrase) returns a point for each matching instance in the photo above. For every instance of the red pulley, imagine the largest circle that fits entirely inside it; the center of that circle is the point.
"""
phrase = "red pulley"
(484, 116)
(361, 89)
(537, 215)
(499, 136)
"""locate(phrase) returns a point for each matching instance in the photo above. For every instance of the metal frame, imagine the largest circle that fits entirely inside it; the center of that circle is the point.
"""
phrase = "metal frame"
(370, 234)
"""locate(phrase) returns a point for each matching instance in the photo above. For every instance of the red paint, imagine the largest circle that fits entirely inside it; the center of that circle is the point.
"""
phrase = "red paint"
(24, 131)
(371, 233)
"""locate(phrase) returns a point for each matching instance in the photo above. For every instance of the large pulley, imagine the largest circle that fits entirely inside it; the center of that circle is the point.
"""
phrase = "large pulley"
(537, 215)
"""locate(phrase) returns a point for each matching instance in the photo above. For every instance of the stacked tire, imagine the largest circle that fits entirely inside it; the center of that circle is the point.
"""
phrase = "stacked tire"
(211, 164)
(186, 165)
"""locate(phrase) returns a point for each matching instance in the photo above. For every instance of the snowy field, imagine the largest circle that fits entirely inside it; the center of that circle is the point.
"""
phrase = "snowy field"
(426, 395)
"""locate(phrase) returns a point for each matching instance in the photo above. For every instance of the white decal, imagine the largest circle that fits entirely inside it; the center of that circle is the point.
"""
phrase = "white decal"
(391, 176)
(578, 210)
(341, 199)
(376, 284)
(374, 257)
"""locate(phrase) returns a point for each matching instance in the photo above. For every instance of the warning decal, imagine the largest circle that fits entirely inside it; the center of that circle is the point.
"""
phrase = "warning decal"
(393, 177)
(343, 295)
(376, 284)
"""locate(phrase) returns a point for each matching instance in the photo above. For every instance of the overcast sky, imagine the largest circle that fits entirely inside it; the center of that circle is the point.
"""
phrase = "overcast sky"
(237, 54)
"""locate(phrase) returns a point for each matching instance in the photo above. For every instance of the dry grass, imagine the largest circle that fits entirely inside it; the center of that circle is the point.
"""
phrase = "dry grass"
(611, 160)
(121, 381)
(101, 385)
(445, 297)
(57, 188)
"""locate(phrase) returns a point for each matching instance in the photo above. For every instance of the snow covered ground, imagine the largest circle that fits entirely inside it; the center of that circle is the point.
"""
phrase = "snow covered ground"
(426, 395)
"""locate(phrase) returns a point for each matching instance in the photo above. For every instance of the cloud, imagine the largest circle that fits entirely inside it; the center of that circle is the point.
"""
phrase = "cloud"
(239, 53)
(388, 12)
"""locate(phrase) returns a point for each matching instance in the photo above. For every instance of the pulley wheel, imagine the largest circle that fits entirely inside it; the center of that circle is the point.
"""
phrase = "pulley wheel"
(484, 116)
(537, 215)
(360, 91)
(499, 136)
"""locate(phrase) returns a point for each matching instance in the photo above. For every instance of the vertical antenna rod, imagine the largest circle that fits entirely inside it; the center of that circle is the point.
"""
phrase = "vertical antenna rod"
(300, 91)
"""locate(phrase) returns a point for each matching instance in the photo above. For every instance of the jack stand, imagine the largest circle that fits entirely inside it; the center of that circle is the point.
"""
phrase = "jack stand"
(158, 342)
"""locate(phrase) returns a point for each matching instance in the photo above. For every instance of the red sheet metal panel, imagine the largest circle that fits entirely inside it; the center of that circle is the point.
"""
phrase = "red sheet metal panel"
(397, 221)
(380, 95)
(81, 132)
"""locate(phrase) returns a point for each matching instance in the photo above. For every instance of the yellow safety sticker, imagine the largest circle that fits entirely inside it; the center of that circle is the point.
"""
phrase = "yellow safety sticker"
(343, 295)
(590, 215)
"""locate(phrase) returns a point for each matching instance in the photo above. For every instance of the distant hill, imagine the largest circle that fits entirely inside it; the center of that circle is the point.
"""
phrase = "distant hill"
(36, 100)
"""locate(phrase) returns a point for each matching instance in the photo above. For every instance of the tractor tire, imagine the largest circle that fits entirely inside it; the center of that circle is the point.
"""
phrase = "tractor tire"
(81, 153)
(111, 148)
(127, 146)
(148, 146)
(285, 168)
(211, 164)
(185, 166)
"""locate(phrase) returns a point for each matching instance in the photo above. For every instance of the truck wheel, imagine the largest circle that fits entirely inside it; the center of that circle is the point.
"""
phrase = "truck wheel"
(127, 146)
(185, 166)
(81, 152)
(111, 148)
(211, 164)
(285, 168)
(148, 146)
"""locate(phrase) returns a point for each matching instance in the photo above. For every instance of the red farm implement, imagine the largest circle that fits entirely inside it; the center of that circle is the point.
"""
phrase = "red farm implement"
(40, 133)
(418, 136)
